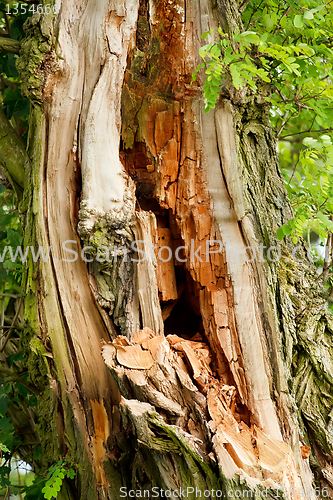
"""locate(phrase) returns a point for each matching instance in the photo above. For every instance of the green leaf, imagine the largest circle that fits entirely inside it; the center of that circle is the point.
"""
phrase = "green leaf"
(203, 50)
(306, 49)
(317, 9)
(286, 229)
(216, 50)
(320, 121)
(310, 142)
(48, 493)
(4, 448)
(280, 234)
(228, 56)
(268, 21)
(71, 473)
(328, 223)
(308, 14)
(251, 37)
(205, 34)
(283, 21)
(298, 22)
(236, 77)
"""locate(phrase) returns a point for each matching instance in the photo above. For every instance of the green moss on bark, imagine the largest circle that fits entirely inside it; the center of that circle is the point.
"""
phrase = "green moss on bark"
(37, 59)
(303, 350)
(158, 455)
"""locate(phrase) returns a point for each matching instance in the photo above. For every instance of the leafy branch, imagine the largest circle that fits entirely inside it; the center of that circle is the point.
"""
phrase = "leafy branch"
(9, 45)
(55, 477)
(285, 54)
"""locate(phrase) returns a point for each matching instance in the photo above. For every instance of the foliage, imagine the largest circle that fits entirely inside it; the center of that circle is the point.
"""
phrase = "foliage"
(12, 393)
(14, 396)
(286, 54)
(10, 235)
(15, 106)
(311, 189)
(222, 59)
(41, 488)
(15, 393)
(55, 477)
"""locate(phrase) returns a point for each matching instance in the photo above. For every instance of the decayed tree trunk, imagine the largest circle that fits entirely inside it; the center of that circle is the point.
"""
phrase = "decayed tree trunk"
(218, 376)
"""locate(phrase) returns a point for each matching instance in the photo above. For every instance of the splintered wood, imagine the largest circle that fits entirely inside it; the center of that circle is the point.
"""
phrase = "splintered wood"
(147, 288)
(170, 151)
(179, 185)
(166, 384)
(174, 375)
(165, 270)
(202, 386)
(134, 357)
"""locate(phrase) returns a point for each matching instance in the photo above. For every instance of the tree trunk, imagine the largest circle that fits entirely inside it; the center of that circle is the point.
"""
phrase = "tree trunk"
(219, 372)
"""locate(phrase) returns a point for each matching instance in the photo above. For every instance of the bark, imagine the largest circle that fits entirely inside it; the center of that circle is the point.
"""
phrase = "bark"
(218, 374)
(9, 45)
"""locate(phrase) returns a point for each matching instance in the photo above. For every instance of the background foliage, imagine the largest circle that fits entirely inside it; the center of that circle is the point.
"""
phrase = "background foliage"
(17, 397)
(285, 53)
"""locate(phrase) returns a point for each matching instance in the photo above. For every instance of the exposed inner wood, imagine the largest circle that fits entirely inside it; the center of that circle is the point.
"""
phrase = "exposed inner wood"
(170, 151)
(167, 385)
(72, 132)
(193, 348)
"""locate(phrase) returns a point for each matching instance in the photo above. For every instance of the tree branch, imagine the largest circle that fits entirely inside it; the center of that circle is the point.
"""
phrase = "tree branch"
(4, 343)
(13, 156)
(10, 45)
(4, 180)
(307, 131)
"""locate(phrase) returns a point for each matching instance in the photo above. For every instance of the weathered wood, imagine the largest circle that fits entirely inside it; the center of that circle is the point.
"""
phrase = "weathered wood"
(147, 286)
(165, 270)
(211, 402)
(256, 456)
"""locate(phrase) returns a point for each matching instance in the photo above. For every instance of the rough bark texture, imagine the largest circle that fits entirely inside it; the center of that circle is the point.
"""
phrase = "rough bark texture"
(9, 45)
(219, 371)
